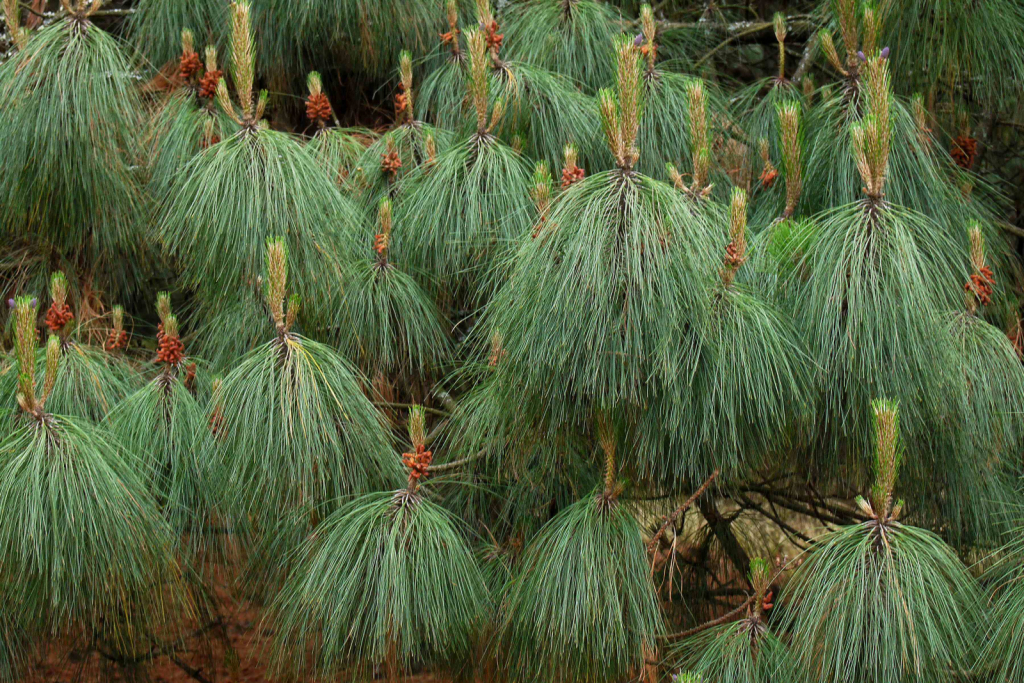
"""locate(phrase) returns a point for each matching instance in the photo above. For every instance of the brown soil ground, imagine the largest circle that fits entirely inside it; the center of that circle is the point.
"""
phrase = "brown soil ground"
(236, 651)
(231, 652)
(207, 659)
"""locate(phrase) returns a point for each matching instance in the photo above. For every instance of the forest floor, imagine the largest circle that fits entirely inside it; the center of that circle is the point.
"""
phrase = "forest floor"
(213, 661)
(235, 651)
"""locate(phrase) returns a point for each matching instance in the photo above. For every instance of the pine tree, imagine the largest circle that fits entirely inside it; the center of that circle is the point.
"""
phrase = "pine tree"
(750, 380)
(337, 149)
(188, 121)
(618, 251)
(409, 144)
(570, 37)
(92, 380)
(445, 83)
(881, 278)
(155, 25)
(921, 176)
(542, 108)
(1001, 644)
(461, 213)
(779, 186)
(389, 323)
(633, 275)
(745, 650)
(360, 33)
(883, 601)
(581, 606)
(951, 45)
(94, 559)
(386, 582)
(294, 430)
(761, 119)
(671, 98)
(165, 423)
(74, 188)
(226, 201)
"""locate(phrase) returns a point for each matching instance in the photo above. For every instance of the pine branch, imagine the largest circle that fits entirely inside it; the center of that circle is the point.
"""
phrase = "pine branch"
(446, 399)
(742, 29)
(126, 12)
(679, 510)
(1012, 229)
(410, 406)
(194, 674)
(710, 624)
(774, 517)
(814, 509)
(157, 649)
(32, 10)
(810, 50)
(433, 469)
(113, 12)
(721, 527)
(796, 23)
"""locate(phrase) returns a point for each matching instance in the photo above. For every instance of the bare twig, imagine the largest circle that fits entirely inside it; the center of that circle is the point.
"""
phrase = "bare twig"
(193, 673)
(679, 510)
(710, 624)
(741, 29)
(126, 12)
(810, 49)
(799, 21)
(810, 508)
(156, 649)
(721, 526)
(1012, 229)
(777, 520)
(434, 469)
(409, 406)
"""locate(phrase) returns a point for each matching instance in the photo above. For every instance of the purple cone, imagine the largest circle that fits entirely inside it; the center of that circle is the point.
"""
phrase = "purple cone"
(639, 40)
(861, 57)
(34, 302)
(885, 53)
(10, 302)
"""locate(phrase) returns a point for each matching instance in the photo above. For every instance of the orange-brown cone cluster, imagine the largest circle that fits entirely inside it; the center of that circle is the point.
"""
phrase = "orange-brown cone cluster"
(189, 65)
(58, 316)
(190, 377)
(117, 339)
(380, 244)
(318, 108)
(418, 463)
(537, 230)
(964, 152)
(449, 37)
(768, 176)
(981, 285)
(497, 354)
(390, 162)
(494, 39)
(401, 100)
(208, 83)
(216, 420)
(733, 258)
(572, 174)
(170, 350)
